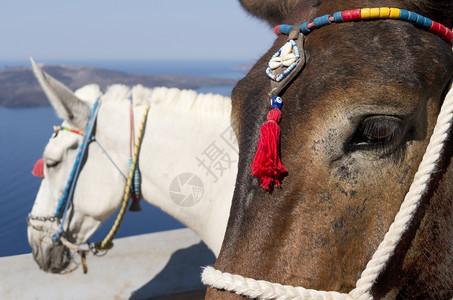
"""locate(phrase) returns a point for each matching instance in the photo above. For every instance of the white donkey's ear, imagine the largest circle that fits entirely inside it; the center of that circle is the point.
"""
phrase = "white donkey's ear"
(67, 105)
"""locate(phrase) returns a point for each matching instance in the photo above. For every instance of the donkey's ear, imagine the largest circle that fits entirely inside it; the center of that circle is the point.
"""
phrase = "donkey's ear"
(272, 11)
(67, 105)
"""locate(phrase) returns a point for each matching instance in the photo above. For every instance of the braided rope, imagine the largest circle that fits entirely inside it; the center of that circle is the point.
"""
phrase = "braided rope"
(107, 242)
(67, 192)
(411, 202)
(260, 289)
(68, 244)
(65, 200)
(267, 290)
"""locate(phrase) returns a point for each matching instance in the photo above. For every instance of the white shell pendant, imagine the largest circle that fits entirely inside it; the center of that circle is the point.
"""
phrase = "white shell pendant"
(286, 58)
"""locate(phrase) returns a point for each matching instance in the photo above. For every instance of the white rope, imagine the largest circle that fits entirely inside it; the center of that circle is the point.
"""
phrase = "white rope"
(410, 204)
(70, 245)
(267, 290)
(261, 289)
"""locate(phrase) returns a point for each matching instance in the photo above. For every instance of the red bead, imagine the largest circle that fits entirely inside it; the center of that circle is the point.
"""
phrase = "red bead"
(435, 28)
(449, 37)
(277, 32)
(310, 25)
(356, 14)
(347, 17)
(443, 31)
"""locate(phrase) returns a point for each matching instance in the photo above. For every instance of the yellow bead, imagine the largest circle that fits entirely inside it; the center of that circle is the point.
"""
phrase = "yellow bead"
(384, 12)
(365, 13)
(394, 13)
(374, 13)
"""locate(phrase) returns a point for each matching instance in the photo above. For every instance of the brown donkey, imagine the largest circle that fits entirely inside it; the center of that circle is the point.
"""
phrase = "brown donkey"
(355, 123)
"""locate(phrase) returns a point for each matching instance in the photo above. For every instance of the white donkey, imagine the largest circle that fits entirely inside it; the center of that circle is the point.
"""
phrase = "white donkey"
(187, 160)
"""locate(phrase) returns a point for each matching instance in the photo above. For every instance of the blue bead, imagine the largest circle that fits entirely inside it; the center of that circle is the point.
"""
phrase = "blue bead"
(321, 21)
(427, 24)
(404, 15)
(412, 17)
(337, 17)
(304, 29)
(276, 102)
(284, 28)
(420, 21)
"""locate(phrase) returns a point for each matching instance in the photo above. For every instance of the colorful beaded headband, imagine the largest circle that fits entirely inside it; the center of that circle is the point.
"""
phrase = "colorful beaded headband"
(59, 128)
(370, 14)
(289, 60)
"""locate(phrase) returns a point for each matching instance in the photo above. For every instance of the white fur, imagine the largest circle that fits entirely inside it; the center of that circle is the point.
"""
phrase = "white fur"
(89, 93)
(181, 125)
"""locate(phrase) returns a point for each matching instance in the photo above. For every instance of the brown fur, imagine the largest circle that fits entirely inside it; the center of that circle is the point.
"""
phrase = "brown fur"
(274, 11)
(341, 196)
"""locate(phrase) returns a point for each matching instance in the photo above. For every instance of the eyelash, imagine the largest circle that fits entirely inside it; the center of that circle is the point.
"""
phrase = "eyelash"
(378, 133)
(51, 164)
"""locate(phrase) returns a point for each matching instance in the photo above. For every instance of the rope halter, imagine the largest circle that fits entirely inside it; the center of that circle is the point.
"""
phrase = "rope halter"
(132, 187)
(267, 290)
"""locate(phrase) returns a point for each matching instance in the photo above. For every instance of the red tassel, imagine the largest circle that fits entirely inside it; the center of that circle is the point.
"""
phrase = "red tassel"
(38, 169)
(267, 165)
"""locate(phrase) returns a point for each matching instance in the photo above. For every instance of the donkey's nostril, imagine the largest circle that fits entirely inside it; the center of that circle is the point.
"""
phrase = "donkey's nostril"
(59, 258)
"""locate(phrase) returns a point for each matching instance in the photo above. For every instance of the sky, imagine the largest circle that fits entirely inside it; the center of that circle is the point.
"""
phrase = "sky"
(130, 30)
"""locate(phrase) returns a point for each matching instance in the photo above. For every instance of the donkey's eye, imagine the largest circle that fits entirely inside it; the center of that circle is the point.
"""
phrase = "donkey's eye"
(377, 132)
(50, 163)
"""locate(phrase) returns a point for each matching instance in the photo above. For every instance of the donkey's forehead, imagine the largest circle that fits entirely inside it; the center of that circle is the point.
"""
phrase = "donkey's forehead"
(387, 46)
(60, 143)
(360, 63)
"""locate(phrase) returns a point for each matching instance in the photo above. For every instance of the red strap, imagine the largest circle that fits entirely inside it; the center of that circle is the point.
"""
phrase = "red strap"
(132, 131)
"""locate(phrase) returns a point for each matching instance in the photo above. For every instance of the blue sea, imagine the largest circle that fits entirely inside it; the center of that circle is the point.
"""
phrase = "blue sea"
(25, 132)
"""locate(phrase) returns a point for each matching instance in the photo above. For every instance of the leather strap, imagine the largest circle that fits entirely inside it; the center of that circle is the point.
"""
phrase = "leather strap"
(299, 38)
